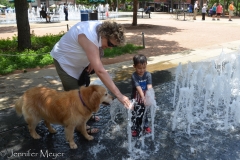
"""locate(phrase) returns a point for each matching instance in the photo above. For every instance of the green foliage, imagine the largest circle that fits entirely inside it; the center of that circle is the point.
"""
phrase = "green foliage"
(11, 59)
(38, 56)
(129, 7)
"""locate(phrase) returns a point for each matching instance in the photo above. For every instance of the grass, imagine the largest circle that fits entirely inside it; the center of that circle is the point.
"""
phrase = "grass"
(38, 56)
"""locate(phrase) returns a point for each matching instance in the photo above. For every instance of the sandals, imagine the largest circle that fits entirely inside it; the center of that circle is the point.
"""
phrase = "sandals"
(92, 130)
(94, 118)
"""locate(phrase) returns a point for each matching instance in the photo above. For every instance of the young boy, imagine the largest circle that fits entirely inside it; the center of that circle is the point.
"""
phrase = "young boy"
(141, 82)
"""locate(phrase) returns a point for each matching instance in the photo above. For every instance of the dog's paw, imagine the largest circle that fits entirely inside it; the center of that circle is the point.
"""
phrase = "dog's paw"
(89, 137)
(73, 146)
(36, 136)
(52, 131)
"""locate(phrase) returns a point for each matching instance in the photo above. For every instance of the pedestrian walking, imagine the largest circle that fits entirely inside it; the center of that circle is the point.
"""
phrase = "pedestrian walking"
(231, 9)
(219, 11)
(204, 10)
(195, 10)
(214, 9)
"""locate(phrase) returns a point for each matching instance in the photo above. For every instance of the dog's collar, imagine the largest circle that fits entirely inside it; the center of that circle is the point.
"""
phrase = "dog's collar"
(83, 101)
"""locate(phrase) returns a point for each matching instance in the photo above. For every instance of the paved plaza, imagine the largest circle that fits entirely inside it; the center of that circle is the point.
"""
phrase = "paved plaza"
(109, 143)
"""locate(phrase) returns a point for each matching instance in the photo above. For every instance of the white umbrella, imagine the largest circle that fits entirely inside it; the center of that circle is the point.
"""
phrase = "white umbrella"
(53, 6)
(2, 6)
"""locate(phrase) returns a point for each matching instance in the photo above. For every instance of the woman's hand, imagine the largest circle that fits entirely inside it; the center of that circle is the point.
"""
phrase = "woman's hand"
(90, 68)
(125, 101)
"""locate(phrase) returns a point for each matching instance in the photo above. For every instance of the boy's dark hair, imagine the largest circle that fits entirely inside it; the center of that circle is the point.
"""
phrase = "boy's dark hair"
(139, 58)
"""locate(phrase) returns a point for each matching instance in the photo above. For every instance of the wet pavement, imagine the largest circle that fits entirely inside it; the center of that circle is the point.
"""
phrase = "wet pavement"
(110, 143)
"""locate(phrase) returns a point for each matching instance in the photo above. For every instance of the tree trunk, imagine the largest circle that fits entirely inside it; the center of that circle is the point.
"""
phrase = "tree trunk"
(24, 39)
(135, 10)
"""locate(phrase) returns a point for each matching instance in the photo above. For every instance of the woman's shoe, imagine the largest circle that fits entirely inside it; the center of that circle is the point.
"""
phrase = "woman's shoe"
(92, 130)
(94, 118)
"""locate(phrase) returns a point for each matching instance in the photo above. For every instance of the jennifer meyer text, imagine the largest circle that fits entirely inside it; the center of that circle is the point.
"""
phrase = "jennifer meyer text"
(41, 154)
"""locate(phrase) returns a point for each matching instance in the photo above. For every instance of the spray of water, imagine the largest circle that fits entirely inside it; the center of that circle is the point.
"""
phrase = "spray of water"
(207, 94)
(118, 108)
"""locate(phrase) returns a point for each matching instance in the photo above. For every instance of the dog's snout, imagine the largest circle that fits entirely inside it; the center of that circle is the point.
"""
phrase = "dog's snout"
(113, 97)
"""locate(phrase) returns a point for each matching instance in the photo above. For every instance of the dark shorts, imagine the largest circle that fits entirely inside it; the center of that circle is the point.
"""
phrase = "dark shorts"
(68, 82)
(213, 12)
(219, 14)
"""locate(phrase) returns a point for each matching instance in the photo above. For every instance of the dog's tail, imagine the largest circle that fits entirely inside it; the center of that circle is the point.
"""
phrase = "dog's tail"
(18, 106)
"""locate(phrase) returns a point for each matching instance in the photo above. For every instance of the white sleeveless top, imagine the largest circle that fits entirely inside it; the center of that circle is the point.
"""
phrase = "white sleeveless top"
(67, 51)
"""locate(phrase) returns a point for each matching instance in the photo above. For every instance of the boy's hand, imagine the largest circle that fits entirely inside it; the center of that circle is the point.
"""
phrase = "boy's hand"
(144, 100)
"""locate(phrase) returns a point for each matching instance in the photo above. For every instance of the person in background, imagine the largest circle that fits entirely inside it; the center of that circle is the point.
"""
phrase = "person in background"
(43, 14)
(190, 8)
(204, 10)
(219, 11)
(81, 48)
(66, 11)
(195, 10)
(147, 10)
(141, 82)
(231, 9)
(214, 9)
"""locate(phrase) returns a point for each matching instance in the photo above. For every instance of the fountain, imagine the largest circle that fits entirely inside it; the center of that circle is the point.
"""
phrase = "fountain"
(73, 13)
(207, 95)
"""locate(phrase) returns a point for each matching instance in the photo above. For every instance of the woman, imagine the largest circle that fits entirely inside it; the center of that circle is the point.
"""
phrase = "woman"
(219, 11)
(214, 9)
(81, 47)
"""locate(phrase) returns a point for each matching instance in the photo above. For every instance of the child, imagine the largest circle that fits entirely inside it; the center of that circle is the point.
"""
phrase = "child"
(141, 82)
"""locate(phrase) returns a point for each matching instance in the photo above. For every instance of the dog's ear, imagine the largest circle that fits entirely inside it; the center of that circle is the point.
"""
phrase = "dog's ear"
(95, 101)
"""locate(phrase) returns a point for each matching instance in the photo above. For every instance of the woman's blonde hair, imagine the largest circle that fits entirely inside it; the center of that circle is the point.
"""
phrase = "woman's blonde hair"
(110, 29)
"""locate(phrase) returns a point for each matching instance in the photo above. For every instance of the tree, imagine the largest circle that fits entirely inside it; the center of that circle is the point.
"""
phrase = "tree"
(135, 10)
(24, 39)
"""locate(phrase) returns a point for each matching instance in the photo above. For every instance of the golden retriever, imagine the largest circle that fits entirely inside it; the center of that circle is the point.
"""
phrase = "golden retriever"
(71, 109)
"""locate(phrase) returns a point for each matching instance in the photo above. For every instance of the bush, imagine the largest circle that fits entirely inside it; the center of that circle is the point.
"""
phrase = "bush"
(39, 55)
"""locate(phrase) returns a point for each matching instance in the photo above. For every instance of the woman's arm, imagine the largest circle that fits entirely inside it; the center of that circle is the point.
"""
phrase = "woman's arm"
(92, 52)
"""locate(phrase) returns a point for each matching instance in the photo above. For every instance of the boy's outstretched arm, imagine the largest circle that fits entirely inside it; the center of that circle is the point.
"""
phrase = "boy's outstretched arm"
(140, 91)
